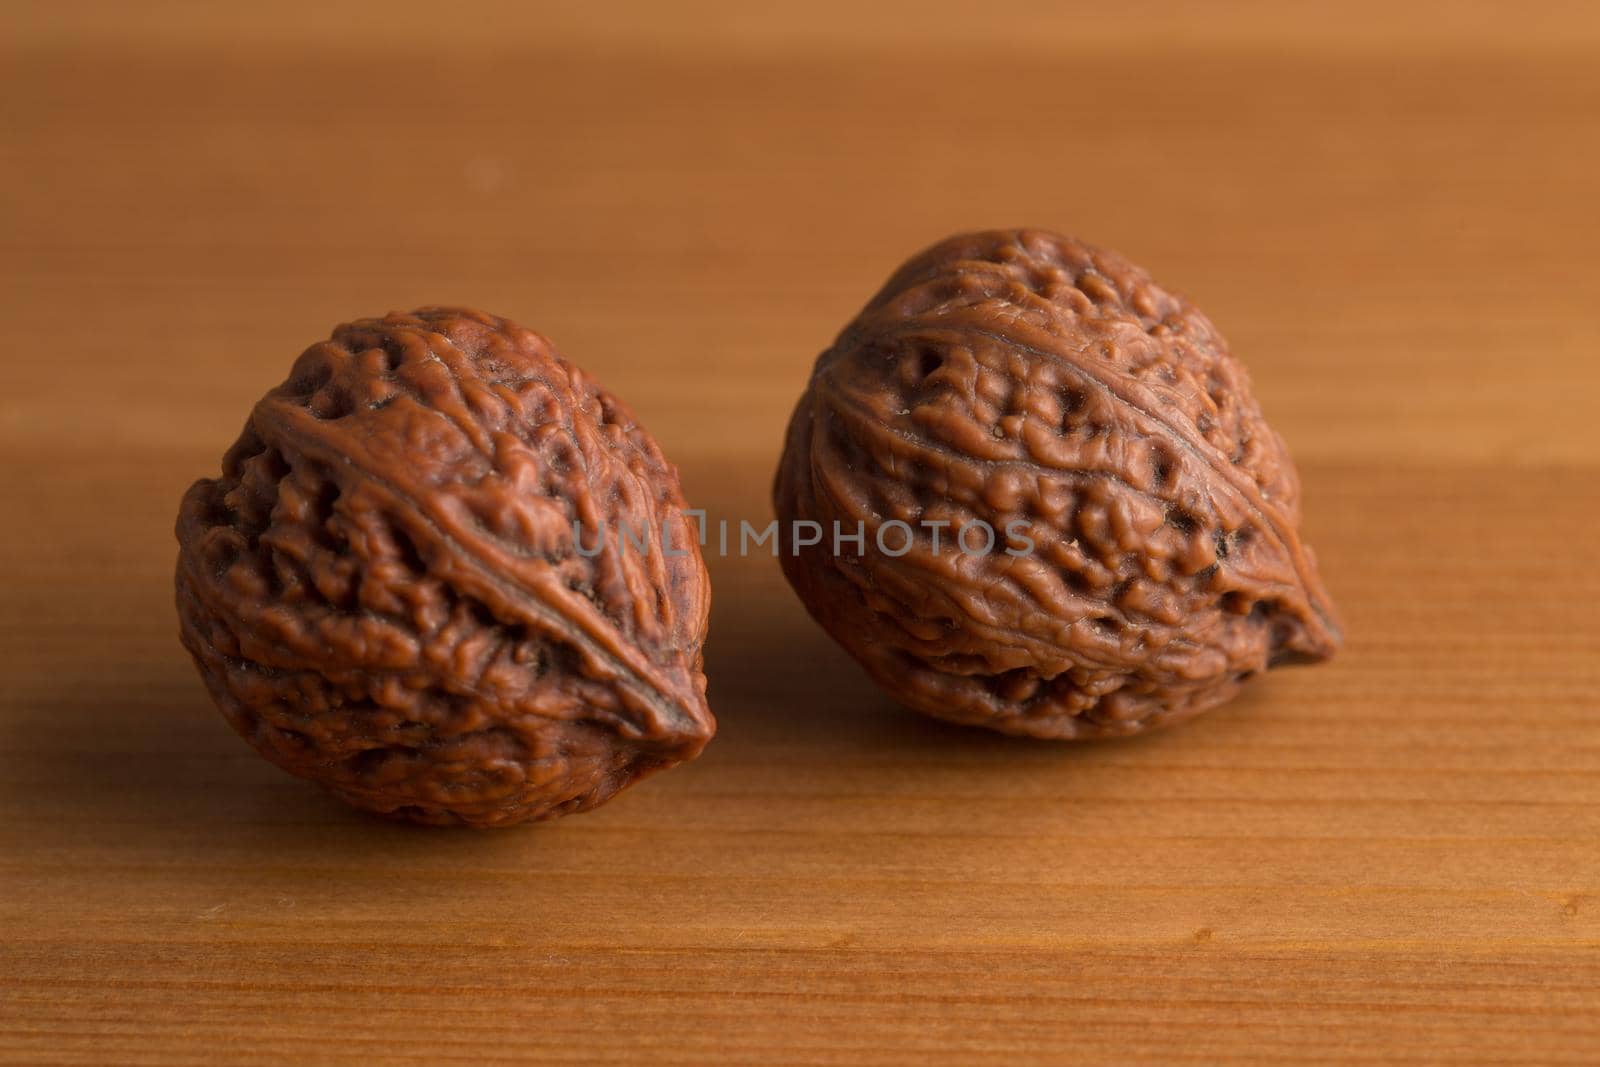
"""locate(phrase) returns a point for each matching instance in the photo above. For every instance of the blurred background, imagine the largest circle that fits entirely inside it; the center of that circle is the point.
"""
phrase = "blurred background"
(692, 198)
(1389, 210)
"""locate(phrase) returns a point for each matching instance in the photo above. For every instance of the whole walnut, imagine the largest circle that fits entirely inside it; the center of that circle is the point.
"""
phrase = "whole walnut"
(407, 584)
(1131, 551)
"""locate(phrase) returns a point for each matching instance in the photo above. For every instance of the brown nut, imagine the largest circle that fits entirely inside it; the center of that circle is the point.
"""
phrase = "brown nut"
(394, 588)
(1145, 558)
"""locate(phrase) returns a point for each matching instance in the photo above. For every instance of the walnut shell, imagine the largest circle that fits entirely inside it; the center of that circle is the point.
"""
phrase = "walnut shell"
(383, 591)
(1041, 386)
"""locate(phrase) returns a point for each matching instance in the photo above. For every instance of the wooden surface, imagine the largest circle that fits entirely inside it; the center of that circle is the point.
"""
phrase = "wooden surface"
(1390, 211)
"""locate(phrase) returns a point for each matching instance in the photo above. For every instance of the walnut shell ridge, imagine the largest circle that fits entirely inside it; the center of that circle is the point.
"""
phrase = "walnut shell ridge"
(384, 593)
(1024, 377)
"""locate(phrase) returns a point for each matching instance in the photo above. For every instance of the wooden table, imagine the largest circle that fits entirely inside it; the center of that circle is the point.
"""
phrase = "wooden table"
(1390, 212)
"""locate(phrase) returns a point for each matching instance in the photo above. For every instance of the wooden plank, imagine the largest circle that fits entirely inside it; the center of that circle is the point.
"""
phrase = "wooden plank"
(1393, 858)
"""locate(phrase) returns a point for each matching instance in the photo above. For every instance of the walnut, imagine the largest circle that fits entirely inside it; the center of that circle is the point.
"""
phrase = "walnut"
(1141, 558)
(403, 587)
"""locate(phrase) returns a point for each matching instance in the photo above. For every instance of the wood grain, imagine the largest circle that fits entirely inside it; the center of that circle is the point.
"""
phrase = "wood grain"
(1394, 858)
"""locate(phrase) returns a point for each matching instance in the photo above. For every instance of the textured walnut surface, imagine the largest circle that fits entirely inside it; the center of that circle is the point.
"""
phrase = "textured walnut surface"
(383, 590)
(1022, 377)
